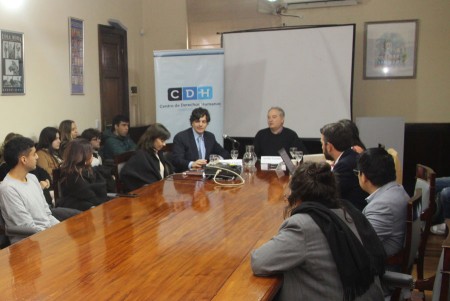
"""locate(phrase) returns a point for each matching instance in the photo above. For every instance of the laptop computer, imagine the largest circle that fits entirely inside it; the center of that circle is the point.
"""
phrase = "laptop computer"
(287, 160)
(314, 158)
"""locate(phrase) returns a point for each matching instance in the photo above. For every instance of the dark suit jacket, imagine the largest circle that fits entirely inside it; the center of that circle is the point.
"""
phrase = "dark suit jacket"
(143, 168)
(185, 150)
(347, 180)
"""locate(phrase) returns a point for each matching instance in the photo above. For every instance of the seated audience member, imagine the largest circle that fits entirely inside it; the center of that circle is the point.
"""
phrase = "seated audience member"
(325, 249)
(357, 144)
(336, 145)
(148, 165)
(268, 141)
(192, 147)
(117, 141)
(22, 201)
(81, 188)
(48, 150)
(68, 130)
(386, 204)
(443, 199)
(94, 138)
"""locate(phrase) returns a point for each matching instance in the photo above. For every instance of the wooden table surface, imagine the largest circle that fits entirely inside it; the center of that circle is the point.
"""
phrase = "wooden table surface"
(179, 240)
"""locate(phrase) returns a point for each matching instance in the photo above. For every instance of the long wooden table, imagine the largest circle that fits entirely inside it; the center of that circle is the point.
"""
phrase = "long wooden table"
(179, 240)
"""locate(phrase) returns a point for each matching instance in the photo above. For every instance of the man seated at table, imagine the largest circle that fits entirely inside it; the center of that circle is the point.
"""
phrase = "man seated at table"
(117, 141)
(22, 200)
(269, 140)
(192, 147)
(386, 204)
(337, 145)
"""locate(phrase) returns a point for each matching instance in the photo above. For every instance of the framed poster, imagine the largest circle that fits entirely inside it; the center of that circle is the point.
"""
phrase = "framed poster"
(390, 49)
(76, 39)
(13, 81)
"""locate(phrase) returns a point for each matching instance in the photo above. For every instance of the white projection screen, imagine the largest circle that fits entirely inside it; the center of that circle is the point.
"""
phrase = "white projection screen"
(306, 71)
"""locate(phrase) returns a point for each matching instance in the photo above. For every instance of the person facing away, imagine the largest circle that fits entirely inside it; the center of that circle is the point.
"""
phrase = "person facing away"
(192, 147)
(22, 200)
(148, 164)
(387, 202)
(357, 145)
(81, 188)
(325, 249)
(48, 150)
(117, 141)
(270, 140)
(337, 140)
(68, 131)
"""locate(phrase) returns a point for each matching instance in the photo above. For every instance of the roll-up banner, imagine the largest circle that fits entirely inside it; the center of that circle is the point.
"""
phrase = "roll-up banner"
(185, 80)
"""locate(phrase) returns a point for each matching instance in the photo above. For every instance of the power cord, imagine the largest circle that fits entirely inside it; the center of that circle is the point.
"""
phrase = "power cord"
(219, 170)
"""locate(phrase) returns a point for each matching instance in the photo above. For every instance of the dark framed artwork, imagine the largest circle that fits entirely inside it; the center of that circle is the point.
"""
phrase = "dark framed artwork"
(76, 46)
(390, 49)
(13, 80)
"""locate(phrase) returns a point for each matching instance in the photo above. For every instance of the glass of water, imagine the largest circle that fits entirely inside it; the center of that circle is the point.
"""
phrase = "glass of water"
(292, 151)
(234, 154)
(214, 159)
(298, 155)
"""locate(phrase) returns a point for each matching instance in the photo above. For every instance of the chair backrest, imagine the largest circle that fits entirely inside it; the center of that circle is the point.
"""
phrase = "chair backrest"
(119, 162)
(405, 257)
(398, 166)
(57, 193)
(426, 180)
(442, 279)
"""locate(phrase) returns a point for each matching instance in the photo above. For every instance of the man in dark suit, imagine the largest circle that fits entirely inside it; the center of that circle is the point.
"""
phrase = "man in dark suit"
(192, 147)
(336, 142)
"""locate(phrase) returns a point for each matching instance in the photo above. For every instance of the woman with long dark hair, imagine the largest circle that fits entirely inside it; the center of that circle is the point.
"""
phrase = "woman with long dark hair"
(81, 188)
(48, 150)
(148, 165)
(325, 249)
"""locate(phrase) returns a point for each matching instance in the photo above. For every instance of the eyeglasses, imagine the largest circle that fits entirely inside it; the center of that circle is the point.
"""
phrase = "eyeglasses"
(356, 172)
(96, 139)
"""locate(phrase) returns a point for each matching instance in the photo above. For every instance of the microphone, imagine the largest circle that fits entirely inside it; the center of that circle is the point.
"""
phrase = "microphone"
(225, 136)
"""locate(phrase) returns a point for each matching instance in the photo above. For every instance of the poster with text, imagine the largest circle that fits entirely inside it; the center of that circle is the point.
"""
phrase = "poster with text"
(12, 63)
(185, 80)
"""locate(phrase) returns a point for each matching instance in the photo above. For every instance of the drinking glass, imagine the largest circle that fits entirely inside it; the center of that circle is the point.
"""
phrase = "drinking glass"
(234, 154)
(298, 155)
(292, 151)
(213, 159)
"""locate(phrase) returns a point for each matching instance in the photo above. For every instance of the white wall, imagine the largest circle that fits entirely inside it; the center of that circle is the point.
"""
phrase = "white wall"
(46, 61)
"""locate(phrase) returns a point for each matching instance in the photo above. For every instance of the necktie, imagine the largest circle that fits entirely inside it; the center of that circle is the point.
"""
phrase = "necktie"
(201, 147)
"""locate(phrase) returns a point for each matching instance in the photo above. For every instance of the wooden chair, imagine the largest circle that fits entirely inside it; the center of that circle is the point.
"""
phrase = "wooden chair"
(398, 166)
(119, 162)
(439, 283)
(405, 257)
(56, 175)
(425, 180)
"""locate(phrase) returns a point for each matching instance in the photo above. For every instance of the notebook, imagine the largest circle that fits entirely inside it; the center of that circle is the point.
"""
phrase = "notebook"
(287, 161)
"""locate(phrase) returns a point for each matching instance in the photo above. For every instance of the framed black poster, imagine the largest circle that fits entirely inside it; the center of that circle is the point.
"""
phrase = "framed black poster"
(13, 81)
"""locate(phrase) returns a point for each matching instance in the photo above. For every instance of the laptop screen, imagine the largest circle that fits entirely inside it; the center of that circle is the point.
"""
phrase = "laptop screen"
(287, 160)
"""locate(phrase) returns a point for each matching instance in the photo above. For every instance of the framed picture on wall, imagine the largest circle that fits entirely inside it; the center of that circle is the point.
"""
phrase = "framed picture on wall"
(13, 81)
(390, 49)
(76, 47)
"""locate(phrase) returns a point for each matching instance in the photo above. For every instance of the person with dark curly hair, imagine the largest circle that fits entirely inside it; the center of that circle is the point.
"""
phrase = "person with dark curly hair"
(325, 249)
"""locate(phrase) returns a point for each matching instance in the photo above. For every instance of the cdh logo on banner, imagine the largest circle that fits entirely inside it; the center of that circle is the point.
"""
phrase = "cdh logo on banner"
(190, 93)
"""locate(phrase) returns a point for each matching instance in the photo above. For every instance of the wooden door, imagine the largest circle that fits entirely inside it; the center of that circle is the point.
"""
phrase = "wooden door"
(112, 44)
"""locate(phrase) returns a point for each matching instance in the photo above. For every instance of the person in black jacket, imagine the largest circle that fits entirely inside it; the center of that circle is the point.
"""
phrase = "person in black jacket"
(81, 187)
(148, 164)
(337, 141)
